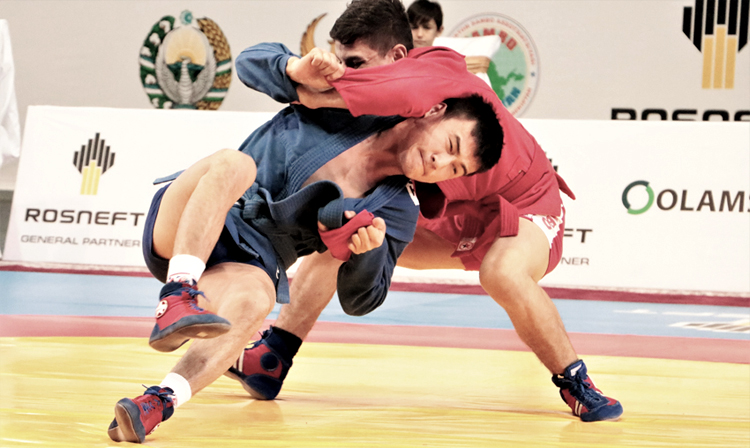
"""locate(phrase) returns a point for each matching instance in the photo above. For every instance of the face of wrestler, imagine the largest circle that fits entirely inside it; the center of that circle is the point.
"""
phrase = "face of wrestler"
(361, 55)
(424, 34)
(437, 149)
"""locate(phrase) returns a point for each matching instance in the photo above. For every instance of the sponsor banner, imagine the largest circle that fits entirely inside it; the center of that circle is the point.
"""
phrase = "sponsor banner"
(85, 178)
(661, 205)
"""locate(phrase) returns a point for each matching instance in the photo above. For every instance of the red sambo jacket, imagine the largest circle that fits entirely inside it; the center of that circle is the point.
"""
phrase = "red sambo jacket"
(484, 205)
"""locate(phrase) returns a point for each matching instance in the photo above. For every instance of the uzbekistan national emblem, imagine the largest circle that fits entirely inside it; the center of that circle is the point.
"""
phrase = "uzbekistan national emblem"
(188, 66)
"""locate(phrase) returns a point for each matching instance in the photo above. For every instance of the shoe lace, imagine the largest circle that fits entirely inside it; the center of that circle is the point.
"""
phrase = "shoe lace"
(160, 392)
(262, 334)
(586, 392)
(192, 292)
(164, 394)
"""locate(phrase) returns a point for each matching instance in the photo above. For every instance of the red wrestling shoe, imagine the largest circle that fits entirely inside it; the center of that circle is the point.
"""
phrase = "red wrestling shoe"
(260, 369)
(179, 318)
(139, 417)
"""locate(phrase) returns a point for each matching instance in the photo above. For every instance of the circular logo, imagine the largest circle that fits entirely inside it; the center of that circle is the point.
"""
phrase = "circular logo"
(186, 66)
(626, 202)
(161, 308)
(514, 67)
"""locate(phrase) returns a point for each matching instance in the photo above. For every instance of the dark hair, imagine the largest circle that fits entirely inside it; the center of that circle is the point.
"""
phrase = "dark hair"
(422, 11)
(488, 132)
(382, 24)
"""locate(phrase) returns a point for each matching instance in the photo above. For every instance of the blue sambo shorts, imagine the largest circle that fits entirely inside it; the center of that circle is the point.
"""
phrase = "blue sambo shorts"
(225, 251)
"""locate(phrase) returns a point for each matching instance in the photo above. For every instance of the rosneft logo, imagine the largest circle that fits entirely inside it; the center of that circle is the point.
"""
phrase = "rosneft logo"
(92, 161)
(639, 197)
(718, 29)
(514, 68)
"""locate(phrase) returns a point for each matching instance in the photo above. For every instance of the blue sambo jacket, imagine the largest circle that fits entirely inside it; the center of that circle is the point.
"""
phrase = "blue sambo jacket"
(276, 219)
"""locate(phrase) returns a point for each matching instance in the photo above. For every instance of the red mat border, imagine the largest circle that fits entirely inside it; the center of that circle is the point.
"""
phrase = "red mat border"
(661, 347)
(604, 295)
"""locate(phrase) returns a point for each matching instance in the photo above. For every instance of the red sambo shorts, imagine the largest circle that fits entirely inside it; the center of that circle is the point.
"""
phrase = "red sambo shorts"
(471, 255)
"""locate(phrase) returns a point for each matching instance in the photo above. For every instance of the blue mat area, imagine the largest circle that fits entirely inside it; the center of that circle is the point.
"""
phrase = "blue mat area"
(95, 295)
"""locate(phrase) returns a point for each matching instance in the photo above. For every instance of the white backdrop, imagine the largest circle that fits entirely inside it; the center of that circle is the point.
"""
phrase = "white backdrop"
(593, 55)
(694, 242)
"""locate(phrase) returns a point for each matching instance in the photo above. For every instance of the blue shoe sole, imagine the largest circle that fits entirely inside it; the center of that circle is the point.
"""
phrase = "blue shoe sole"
(605, 413)
(260, 387)
(129, 426)
(204, 326)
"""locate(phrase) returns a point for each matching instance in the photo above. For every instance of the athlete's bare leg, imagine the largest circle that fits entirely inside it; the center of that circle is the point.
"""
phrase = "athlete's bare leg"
(429, 251)
(314, 283)
(194, 207)
(312, 288)
(509, 273)
(240, 293)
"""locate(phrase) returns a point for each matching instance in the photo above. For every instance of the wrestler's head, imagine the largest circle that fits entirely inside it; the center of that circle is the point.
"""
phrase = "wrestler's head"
(426, 19)
(371, 33)
(458, 137)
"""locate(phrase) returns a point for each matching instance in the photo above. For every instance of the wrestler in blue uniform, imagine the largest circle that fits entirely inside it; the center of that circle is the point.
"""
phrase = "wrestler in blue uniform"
(275, 221)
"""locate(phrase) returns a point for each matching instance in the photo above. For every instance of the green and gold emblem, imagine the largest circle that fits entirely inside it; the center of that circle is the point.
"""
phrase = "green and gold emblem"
(188, 66)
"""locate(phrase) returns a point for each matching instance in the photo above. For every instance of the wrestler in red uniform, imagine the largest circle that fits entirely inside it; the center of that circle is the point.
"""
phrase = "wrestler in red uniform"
(506, 223)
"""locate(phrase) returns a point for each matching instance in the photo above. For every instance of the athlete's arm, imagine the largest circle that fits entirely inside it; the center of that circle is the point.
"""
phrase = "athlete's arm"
(271, 68)
(316, 100)
(262, 67)
(315, 70)
(363, 281)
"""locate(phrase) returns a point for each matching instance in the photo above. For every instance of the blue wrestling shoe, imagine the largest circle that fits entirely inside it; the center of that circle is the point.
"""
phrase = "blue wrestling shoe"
(179, 318)
(261, 369)
(584, 399)
(139, 417)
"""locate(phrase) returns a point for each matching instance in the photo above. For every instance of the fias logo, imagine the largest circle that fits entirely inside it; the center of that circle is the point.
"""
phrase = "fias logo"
(93, 160)
(513, 69)
(718, 29)
(667, 199)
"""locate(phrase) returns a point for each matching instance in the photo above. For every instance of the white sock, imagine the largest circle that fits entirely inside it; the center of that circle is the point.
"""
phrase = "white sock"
(180, 386)
(183, 268)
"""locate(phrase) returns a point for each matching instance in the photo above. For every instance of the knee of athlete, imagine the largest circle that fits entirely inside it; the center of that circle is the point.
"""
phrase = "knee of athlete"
(248, 310)
(500, 278)
(234, 168)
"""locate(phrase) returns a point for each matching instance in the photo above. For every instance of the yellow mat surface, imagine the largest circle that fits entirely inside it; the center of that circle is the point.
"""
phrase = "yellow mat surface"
(61, 392)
